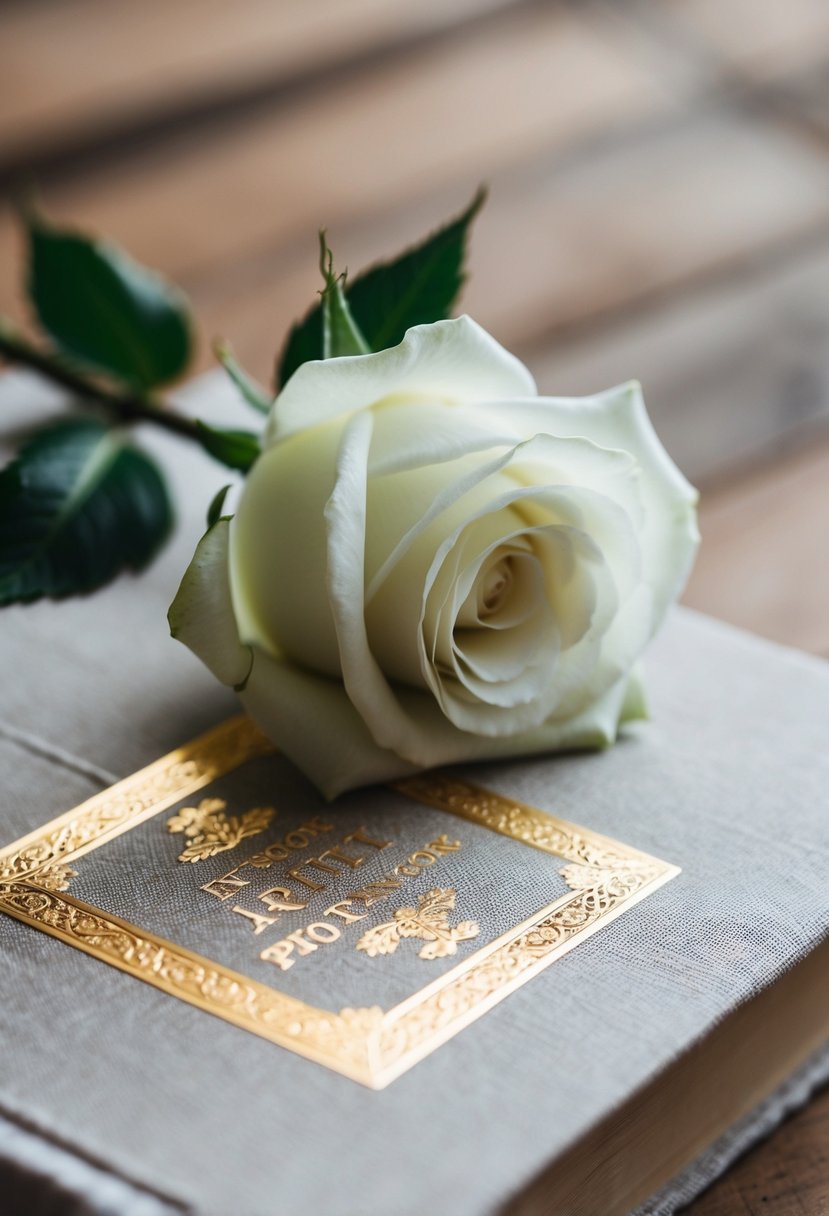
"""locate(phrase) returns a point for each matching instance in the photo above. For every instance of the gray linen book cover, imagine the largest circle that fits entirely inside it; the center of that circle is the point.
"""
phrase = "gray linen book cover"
(412, 997)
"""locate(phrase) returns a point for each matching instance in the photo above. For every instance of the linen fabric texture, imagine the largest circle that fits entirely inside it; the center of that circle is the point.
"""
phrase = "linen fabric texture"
(108, 1082)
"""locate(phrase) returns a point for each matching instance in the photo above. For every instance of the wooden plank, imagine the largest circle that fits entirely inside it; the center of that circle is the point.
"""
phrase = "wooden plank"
(787, 1175)
(764, 39)
(727, 369)
(762, 564)
(359, 149)
(79, 70)
(731, 370)
(570, 244)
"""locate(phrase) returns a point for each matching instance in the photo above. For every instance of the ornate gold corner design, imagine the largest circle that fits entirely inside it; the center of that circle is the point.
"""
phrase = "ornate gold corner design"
(372, 1046)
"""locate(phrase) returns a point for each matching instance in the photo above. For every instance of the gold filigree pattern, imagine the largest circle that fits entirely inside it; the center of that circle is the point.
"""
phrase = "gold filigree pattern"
(130, 802)
(429, 921)
(56, 877)
(604, 878)
(340, 1040)
(211, 831)
(520, 822)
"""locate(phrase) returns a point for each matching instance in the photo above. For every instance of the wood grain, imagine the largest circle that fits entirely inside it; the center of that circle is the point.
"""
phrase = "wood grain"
(80, 70)
(763, 561)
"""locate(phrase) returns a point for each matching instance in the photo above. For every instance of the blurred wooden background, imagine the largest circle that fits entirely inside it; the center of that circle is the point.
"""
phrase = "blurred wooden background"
(659, 174)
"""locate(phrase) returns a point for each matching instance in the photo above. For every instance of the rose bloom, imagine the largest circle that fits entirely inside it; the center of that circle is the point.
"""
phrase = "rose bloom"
(430, 563)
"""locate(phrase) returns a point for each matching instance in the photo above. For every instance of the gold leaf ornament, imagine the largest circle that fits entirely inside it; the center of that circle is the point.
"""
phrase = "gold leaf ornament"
(210, 830)
(429, 922)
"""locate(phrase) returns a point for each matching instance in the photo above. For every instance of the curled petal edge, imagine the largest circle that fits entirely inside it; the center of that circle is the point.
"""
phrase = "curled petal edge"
(201, 615)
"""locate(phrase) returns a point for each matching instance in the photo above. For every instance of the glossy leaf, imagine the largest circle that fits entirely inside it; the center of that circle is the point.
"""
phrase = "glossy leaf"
(105, 310)
(77, 506)
(214, 511)
(419, 287)
(235, 449)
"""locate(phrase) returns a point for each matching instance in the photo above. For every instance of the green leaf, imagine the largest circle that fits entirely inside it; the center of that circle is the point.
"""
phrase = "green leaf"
(104, 310)
(77, 506)
(420, 286)
(214, 511)
(340, 334)
(304, 343)
(235, 449)
(252, 392)
(417, 288)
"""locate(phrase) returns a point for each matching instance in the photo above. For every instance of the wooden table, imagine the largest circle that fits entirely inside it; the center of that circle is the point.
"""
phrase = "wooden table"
(659, 175)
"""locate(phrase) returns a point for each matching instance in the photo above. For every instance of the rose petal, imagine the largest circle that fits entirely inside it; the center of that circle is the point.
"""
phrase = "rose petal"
(201, 615)
(345, 514)
(618, 419)
(296, 708)
(450, 361)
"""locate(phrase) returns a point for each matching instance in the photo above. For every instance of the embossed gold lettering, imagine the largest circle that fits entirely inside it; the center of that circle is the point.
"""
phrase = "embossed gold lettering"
(285, 902)
(225, 887)
(298, 838)
(362, 838)
(407, 870)
(279, 954)
(373, 892)
(299, 941)
(306, 882)
(444, 845)
(258, 921)
(319, 863)
(318, 826)
(339, 909)
(272, 852)
(346, 858)
(321, 932)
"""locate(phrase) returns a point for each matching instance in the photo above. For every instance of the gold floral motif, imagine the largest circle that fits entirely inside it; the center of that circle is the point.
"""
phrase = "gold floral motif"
(211, 831)
(56, 877)
(429, 921)
(604, 878)
(139, 797)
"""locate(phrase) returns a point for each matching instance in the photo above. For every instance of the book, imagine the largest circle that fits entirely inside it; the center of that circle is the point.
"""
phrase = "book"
(571, 984)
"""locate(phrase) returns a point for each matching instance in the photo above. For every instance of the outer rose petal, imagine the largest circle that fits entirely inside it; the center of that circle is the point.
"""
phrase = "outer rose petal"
(201, 616)
(351, 758)
(452, 361)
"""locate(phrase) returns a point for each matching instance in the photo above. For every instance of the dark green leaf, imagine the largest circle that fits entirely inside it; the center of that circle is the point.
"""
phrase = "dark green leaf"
(340, 334)
(252, 392)
(236, 449)
(417, 288)
(105, 310)
(214, 511)
(77, 506)
(304, 343)
(420, 286)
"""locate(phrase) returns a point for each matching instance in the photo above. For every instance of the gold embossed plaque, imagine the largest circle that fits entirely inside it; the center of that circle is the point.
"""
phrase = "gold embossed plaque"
(361, 934)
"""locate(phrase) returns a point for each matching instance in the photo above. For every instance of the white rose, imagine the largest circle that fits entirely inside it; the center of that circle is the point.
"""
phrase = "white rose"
(430, 563)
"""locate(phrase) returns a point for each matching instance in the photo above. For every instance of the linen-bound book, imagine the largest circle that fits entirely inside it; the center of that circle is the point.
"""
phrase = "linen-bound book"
(574, 984)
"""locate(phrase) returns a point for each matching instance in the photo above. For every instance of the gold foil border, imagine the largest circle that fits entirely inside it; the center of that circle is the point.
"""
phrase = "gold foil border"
(138, 797)
(368, 1045)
